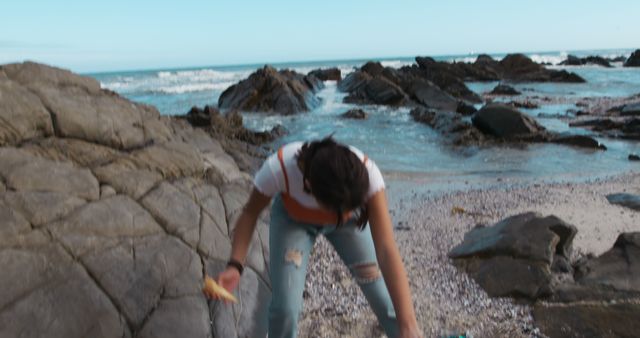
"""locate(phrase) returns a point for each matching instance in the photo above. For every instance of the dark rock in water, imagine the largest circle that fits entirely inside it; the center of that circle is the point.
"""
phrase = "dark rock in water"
(514, 256)
(626, 200)
(354, 82)
(197, 117)
(329, 74)
(502, 89)
(634, 157)
(382, 91)
(465, 108)
(505, 122)
(520, 68)
(269, 90)
(633, 60)
(524, 104)
(357, 114)
(581, 141)
(432, 96)
(617, 59)
(619, 128)
(631, 110)
(450, 125)
(372, 68)
(573, 60)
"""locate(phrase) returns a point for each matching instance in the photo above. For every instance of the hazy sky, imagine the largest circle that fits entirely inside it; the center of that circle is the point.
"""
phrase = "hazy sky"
(140, 34)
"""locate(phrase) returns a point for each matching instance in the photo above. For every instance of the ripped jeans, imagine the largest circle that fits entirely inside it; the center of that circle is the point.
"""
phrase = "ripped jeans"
(290, 245)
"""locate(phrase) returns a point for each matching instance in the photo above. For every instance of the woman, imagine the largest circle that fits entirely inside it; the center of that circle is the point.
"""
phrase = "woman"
(323, 187)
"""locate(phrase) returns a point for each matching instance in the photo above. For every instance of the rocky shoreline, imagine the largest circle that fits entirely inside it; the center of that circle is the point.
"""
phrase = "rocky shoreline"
(447, 300)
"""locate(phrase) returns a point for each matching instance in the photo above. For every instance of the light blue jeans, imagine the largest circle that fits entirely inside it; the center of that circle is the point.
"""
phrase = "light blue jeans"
(290, 245)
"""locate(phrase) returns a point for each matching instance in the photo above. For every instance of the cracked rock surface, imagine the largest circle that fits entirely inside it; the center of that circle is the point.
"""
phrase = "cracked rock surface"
(110, 215)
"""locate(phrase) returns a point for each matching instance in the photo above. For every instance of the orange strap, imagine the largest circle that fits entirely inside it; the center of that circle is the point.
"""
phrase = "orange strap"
(302, 213)
(284, 169)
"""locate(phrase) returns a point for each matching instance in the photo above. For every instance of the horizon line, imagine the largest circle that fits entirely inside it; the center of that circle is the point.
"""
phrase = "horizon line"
(367, 58)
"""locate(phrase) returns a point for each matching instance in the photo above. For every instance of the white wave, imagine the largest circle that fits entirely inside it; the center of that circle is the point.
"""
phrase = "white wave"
(552, 59)
(396, 63)
(164, 74)
(466, 59)
(193, 87)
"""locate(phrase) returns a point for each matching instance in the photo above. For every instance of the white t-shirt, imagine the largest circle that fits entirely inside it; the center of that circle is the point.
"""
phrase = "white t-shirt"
(270, 180)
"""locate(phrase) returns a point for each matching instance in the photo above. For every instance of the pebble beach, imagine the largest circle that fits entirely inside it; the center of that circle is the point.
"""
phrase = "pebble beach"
(448, 303)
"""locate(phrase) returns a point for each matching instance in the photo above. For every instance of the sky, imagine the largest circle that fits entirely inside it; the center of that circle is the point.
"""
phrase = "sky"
(92, 36)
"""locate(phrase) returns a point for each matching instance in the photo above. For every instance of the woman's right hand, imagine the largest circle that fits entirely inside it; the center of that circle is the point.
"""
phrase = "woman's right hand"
(228, 279)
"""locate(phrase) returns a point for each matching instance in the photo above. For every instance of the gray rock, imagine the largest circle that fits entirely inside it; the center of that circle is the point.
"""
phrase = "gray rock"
(80, 153)
(132, 182)
(248, 317)
(514, 256)
(139, 273)
(25, 172)
(581, 141)
(503, 89)
(588, 320)
(43, 292)
(212, 242)
(270, 90)
(329, 74)
(176, 212)
(432, 96)
(182, 317)
(2, 187)
(626, 200)
(104, 223)
(13, 222)
(505, 122)
(40, 208)
(618, 268)
(171, 159)
(107, 191)
(81, 110)
(22, 114)
(356, 114)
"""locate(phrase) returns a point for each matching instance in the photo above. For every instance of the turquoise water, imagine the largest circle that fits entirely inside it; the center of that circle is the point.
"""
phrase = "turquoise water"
(402, 148)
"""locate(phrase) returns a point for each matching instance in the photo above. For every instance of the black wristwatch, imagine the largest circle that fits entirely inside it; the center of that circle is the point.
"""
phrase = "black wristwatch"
(236, 264)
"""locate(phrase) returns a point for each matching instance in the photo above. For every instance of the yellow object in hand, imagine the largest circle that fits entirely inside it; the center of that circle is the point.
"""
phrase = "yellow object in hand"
(212, 287)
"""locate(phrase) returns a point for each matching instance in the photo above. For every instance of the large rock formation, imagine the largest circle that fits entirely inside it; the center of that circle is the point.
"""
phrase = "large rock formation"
(633, 60)
(496, 123)
(527, 256)
(269, 90)
(111, 215)
(514, 257)
(573, 60)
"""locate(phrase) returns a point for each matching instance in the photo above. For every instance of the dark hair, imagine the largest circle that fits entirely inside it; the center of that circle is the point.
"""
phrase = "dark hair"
(338, 178)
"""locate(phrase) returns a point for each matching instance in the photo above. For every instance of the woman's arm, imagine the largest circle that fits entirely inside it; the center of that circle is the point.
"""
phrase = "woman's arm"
(243, 231)
(246, 224)
(391, 264)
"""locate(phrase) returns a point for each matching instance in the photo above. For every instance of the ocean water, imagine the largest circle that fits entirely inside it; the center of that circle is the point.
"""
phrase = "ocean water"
(406, 150)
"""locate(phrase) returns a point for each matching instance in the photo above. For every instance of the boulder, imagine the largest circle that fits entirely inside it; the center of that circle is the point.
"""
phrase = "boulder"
(357, 114)
(514, 257)
(603, 301)
(618, 268)
(505, 122)
(109, 220)
(269, 90)
(634, 157)
(382, 91)
(581, 141)
(451, 125)
(502, 89)
(23, 115)
(633, 60)
(432, 96)
(80, 109)
(328, 74)
(630, 201)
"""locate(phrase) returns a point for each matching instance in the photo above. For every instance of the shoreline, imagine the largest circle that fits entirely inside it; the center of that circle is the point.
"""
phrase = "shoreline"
(447, 301)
